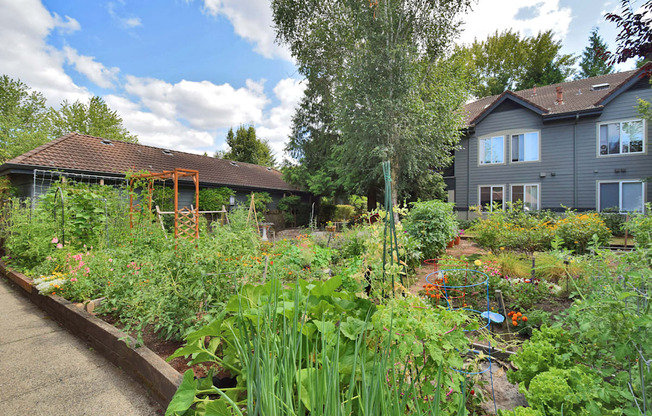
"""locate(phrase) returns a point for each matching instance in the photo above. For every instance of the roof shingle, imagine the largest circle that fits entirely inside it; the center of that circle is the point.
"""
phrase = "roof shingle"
(578, 95)
(81, 152)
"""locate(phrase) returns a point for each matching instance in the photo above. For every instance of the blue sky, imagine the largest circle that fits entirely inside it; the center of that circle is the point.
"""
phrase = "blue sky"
(181, 72)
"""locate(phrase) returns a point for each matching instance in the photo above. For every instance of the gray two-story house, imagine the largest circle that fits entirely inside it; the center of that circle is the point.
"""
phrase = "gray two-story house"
(581, 144)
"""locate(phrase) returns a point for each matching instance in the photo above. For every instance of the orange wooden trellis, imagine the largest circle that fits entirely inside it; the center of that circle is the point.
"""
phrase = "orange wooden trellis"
(186, 220)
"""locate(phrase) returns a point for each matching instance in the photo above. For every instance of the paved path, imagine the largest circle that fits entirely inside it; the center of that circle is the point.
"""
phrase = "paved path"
(45, 370)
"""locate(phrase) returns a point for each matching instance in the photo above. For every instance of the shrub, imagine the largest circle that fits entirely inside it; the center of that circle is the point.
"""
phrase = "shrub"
(514, 229)
(614, 221)
(289, 205)
(344, 212)
(641, 227)
(577, 230)
(432, 224)
(212, 199)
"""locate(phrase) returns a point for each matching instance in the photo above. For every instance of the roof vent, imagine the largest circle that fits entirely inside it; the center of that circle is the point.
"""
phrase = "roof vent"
(107, 142)
(167, 152)
(233, 164)
(598, 87)
(269, 168)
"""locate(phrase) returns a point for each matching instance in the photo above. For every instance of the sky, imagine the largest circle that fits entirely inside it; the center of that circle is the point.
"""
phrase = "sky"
(182, 72)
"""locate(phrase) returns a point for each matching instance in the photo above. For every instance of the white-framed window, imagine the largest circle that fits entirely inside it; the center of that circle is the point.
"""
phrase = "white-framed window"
(525, 147)
(488, 195)
(621, 137)
(492, 150)
(625, 196)
(527, 194)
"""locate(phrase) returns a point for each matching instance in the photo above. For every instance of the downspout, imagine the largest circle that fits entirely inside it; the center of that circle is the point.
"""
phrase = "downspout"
(468, 177)
(577, 116)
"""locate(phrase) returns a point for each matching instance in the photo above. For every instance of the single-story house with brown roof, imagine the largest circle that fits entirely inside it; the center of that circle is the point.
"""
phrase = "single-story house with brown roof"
(581, 144)
(95, 156)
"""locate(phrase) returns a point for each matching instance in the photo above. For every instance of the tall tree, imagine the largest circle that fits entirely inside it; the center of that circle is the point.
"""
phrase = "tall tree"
(593, 61)
(393, 101)
(245, 147)
(507, 61)
(94, 119)
(635, 37)
(23, 118)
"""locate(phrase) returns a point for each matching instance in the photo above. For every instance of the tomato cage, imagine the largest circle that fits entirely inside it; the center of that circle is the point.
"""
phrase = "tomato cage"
(435, 285)
(464, 289)
(456, 289)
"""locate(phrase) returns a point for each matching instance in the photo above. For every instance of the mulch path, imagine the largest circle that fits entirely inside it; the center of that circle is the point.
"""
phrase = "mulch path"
(466, 248)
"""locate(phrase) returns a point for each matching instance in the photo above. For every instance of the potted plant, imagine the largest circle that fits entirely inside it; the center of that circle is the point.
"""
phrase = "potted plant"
(330, 227)
(458, 237)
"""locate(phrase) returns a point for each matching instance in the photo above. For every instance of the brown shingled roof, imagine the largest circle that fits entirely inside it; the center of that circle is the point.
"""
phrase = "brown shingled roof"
(578, 95)
(80, 152)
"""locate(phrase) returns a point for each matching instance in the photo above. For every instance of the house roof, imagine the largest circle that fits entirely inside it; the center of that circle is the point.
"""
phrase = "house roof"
(578, 96)
(81, 152)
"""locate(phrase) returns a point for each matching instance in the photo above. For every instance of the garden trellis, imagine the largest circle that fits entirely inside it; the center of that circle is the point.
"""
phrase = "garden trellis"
(186, 219)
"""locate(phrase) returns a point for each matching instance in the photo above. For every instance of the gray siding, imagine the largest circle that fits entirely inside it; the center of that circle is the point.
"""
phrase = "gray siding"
(568, 169)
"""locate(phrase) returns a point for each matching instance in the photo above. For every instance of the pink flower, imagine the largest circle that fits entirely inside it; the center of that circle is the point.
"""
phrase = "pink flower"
(74, 279)
(59, 245)
(55, 240)
(87, 270)
(110, 260)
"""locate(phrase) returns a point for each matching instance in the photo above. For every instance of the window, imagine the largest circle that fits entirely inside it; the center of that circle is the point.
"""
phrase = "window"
(621, 138)
(492, 150)
(525, 147)
(626, 196)
(490, 195)
(528, 195)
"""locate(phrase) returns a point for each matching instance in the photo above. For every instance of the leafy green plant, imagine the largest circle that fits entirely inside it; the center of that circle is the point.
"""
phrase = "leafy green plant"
(310, 349)
(213, 199)
(432, 224)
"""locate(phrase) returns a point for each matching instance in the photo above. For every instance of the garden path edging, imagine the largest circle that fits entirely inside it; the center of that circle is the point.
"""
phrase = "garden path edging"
(142, 364)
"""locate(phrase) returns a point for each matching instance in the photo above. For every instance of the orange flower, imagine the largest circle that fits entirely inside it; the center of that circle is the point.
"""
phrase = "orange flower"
(514, 323)
(525, 319)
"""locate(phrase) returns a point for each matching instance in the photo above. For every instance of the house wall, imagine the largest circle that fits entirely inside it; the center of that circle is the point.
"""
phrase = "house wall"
(568, 170)
(637, 166)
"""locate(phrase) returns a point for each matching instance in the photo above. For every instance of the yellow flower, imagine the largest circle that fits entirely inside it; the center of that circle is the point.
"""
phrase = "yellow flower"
(502, 248)
(477, 263)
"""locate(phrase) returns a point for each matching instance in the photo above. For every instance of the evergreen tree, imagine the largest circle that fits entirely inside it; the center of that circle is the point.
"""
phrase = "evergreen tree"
(593, 61)
(245, 147)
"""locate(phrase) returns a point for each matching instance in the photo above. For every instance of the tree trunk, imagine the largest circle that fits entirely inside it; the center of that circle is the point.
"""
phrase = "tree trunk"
(372, 199)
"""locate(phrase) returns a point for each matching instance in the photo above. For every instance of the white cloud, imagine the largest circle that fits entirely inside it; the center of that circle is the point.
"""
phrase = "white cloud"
(251, 20)
(187, 115)
(277, 125)
(527, 17)
(155, 130)
(25, 55)
(128, 22)
(96, 72)
(203, 105)
(133, 22)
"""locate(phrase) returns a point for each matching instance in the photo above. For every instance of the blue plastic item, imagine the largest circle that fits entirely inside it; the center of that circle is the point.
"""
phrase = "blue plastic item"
(493, 317)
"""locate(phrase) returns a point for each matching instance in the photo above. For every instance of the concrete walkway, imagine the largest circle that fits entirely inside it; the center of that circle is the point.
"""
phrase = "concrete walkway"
(44, 370)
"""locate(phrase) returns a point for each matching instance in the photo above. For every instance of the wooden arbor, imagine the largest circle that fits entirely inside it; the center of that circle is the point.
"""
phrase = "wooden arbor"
(186, 220)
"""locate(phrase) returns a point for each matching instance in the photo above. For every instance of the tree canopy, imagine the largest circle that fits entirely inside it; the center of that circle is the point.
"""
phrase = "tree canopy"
(635, 37)
(380, 88)
(94, 119)
(245, 147)
(26, 122)
(593, 61)
(23, 118)
(507, 61)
